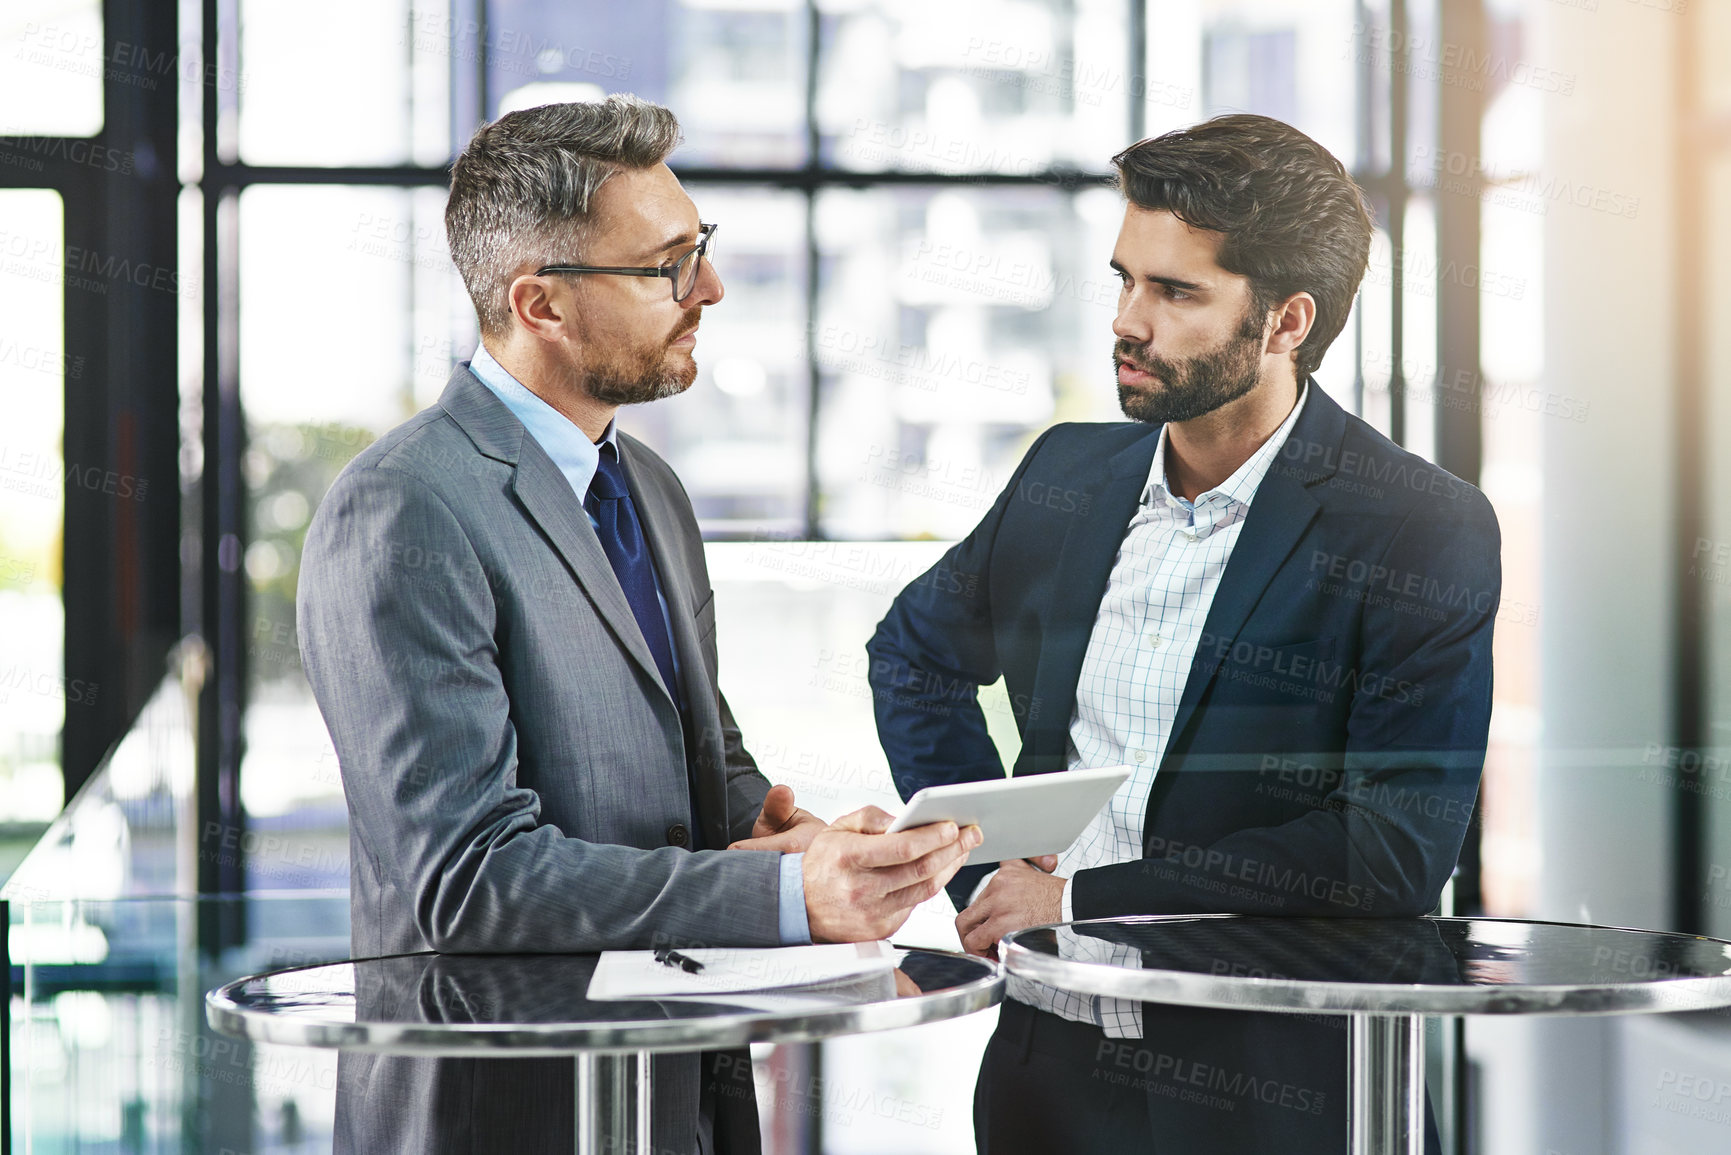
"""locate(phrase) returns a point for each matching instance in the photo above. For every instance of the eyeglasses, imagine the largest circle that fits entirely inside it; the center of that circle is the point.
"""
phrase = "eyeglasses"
(683, 272)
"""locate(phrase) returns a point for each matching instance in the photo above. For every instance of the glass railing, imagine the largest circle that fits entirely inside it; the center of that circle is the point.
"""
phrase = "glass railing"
(128, 831)
(110, 1051)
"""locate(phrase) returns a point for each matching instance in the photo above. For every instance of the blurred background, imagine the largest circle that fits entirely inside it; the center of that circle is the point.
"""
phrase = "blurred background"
(223, 274)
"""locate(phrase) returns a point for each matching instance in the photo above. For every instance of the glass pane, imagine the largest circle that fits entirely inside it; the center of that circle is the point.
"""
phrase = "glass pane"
(51, 84)
(1248, 56)
(953, 326)
(328, 82)
(737, 437)
(1003, 86)
(734, 72)
(1376, 317)
(35, 695)
(110, 1048)
(1709, 561)
(347, 299)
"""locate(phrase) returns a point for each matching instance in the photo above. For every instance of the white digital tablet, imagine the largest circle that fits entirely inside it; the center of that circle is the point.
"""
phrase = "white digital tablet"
(1020, 817)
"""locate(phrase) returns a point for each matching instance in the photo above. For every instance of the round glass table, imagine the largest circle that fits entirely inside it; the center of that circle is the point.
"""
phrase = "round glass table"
(520, 1006)
(1387, 974)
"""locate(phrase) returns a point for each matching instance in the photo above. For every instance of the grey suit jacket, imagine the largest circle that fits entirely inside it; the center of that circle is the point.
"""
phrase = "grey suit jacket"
(517, 776)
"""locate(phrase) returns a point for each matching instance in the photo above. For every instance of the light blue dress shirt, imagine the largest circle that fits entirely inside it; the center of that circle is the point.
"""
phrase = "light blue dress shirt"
(577, 458)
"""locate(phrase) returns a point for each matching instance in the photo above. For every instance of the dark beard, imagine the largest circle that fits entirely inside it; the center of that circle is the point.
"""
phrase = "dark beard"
(634, 380)
(1195, 385)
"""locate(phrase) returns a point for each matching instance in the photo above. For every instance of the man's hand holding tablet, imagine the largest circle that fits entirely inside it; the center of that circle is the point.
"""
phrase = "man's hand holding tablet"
(1038, 814)
(1026, 822)
(862, 879)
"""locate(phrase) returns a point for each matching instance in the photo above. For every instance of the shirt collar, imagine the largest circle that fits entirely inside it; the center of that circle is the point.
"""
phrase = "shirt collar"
(570, 448)
(1238, 489)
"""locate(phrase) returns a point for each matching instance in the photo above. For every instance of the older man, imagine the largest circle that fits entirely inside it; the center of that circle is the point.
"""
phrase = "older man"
(506, 619)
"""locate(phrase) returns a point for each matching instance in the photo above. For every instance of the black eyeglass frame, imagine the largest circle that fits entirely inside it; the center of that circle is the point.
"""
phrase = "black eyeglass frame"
(705, 233)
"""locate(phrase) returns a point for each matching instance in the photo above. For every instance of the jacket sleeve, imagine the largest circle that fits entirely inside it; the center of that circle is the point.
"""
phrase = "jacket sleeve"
(746, 785)
(927, 661)
(405, 667)
(1386, 836)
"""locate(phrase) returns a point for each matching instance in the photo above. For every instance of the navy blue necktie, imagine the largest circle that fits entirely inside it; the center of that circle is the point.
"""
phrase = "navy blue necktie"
(621, 534)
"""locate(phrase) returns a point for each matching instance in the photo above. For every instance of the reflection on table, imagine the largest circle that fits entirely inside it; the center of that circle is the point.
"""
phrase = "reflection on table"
(445, 1051)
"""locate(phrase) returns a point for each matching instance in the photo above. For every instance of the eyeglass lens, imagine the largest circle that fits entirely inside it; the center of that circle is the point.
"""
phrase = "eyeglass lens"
(686, 279)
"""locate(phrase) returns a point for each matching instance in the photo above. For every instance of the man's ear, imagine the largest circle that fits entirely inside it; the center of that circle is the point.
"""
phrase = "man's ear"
(1293, 318)
(541, 307)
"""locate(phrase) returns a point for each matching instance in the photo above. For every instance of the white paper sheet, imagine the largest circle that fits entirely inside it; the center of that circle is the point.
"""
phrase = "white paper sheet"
(634, 974)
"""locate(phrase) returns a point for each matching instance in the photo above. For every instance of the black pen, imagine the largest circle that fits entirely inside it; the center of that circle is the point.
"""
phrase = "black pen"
(672, 958)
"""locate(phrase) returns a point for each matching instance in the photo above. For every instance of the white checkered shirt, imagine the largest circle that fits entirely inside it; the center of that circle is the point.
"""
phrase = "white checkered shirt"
(1150, 621)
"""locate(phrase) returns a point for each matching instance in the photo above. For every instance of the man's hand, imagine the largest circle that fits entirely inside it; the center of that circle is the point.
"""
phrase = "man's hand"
(861, 884)
(1020, 895)
(781, 825)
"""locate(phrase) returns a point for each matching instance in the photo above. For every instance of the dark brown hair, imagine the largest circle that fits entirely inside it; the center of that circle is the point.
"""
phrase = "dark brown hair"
(1293, 220)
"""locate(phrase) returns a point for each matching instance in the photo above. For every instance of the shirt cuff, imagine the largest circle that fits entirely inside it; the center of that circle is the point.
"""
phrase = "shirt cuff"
(795, 928)
(1066, 913)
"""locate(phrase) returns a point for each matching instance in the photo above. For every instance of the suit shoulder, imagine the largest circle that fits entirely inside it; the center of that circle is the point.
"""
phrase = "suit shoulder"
(1087, 442)
(1373, 468)
(643, 457)
(429, 447)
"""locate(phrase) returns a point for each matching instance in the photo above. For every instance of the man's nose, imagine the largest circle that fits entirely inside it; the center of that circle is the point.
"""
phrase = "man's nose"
(708, 289)
(1132, 324)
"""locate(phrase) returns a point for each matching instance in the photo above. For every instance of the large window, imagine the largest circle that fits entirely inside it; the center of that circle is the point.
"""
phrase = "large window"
(35, 699)
(916, 220)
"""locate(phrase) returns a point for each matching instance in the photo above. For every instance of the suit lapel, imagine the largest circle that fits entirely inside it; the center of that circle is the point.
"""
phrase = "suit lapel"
(546, 497)
(1279, 514)
(1281, 511)
(704, 738)
(1084, 563)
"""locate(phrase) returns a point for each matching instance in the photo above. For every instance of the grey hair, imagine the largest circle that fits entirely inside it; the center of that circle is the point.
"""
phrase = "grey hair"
(523, 188)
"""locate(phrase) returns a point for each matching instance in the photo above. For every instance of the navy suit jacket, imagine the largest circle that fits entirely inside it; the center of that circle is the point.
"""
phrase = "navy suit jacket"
(1327, 747)
(1326, 750)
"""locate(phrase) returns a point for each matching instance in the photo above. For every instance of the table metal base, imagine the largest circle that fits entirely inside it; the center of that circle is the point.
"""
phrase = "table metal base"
(1385, 1085)
(613, 1097)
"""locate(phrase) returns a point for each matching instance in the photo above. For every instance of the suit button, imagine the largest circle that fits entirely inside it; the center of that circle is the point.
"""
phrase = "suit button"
(678, 835)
